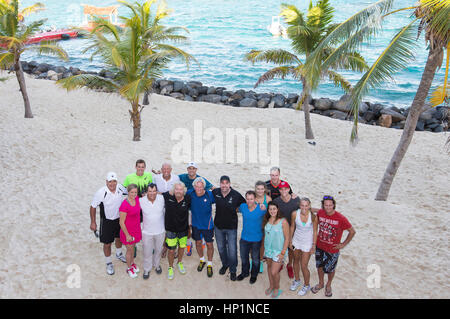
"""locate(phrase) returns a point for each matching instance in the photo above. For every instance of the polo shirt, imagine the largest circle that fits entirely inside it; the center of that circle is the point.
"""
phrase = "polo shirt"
(109, 202)
(141, 181)
(153, 215)
(163, 185)
(188, 182)
(252, 229)
(176, 218)
(201, 209)
(226, 215)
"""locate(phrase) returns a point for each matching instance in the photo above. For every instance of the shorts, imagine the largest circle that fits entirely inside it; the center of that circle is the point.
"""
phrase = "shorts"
(208, 234)
(109, 230)
(326, 260)
(173, 239)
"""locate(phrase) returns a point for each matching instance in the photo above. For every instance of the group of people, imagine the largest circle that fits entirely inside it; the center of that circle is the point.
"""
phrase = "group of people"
(164, 211)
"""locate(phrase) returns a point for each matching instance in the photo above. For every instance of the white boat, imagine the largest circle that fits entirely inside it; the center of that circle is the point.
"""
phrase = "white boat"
(276, 28)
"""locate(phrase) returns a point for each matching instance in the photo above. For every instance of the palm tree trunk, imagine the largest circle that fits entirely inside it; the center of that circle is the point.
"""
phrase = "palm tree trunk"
(308, 129)
(411, 122)
(135, 115)
(145, 100)
(23, 88)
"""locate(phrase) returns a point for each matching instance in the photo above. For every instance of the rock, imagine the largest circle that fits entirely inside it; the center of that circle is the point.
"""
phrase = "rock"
(67, 75)
(227, 93)
(260, 96)
(250, 95)
(220, 90)
(60, 69)
(195, 84)
(51, 73)
(42, 75)
(336, 114)
(235, 99)
(271, 104)
(396, 116)
(395, 109)
(401, 124)
(211, 98)
(75, 71)
(33, 64)
(240, 92)
(363, 108)
(385, 120)
(438, 129)
(279, 100)
(192, 92)
(420, 126)
(343, 104)
(166, 90)
(177, 95)
(263, 103)
(202, 90)
(376, 108)
(292, 98)
(432, 126)
(224, 99)
(427, 115)
(211, 90)
(441, 113)
(25, 66)
(432, 121)
(188, 98)
(163, 83)
(369, 116)
(185, 89)
(248, 102)
(323, 104)
(178, 86)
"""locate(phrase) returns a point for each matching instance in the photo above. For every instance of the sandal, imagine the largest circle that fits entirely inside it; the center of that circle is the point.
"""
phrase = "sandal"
(316, 289)
(278, 294)
(328, 293)
(268, 291)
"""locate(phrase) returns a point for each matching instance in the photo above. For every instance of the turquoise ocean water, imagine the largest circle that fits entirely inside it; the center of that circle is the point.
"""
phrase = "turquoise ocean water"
(222, 31)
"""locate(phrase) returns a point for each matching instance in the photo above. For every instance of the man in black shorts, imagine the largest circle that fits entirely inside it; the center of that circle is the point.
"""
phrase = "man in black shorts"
(176, 223)
(109, 198)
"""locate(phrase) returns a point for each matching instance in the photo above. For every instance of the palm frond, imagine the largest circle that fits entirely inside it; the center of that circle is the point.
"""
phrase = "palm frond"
(278, 72)
(49, 48)
(339, 81)
(32, 9)
(86, 80)
(276, 56)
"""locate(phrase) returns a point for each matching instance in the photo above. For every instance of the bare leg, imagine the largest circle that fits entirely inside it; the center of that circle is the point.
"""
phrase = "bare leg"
(209, 251)
(118, 243)
(305, 271)
(170, 256)
(276, 277)
(269, 273)
(130, 255)
(107, 250)
(297, 258)
(199, 246)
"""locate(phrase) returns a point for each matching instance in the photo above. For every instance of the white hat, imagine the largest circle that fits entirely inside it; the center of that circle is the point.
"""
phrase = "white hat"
(191, 164)
(111, 176)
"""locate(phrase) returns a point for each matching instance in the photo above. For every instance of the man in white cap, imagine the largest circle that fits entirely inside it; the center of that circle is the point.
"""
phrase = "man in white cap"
(191, 175)
(109, 198)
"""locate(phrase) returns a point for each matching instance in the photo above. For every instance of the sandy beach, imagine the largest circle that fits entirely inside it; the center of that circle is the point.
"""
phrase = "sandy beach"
(52, 165)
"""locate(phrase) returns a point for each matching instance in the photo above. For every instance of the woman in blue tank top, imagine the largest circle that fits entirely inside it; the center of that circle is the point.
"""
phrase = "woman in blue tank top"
(276, 241)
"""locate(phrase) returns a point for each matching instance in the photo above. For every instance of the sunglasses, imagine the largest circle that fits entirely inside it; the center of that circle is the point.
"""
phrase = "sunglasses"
(328, 197)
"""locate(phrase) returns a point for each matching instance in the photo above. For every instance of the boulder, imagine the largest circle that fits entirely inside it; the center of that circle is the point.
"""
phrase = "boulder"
(60, 69)
(192, 92)
(420, 126)
(263, 103)
(427, 115)
(178, 86)
(385, 120)
(166, 90)
(369, 116)
(396, 116)
(42, 75)
(363, 108)
(177, 95)
(248, 102)
(211, 98)
(279, 100)
(438, 129)
(163, 83)
(195, 84)
(250, 95)
(67, 75)
(343, 104)
(33, 64)
(202, 90)
(227, 93)
(260, 96)
(336, 114)
(188, 98)
(75, 71)
(323, 104)
(376, 108)
(224, 99)
(292, 98)
(211, 90)
(235, 99)
(220, 90)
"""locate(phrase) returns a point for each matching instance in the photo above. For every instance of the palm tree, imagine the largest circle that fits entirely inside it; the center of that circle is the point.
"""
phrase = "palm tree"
(305, 34)
(137, 55)
(430, 16)
(14, 35)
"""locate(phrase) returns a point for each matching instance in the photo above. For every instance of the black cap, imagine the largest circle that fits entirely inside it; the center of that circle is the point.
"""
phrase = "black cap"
(225, 178)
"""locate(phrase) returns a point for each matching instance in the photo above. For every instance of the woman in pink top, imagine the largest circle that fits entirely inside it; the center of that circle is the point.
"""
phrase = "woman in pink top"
(130, 227)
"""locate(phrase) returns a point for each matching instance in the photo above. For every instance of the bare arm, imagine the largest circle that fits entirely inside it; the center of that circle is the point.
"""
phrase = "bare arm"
(92, 213)
(351, 234)
(286, 234)
(292, 230)
(315, 231)
(123, 217)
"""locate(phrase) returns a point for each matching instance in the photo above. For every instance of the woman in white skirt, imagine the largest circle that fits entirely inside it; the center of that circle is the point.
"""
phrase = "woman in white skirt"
(303, 243)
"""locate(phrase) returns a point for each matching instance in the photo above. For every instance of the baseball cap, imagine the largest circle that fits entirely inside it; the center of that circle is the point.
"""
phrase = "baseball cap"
(111, 176)
(225, 178)
(191, 164)
(284, 184)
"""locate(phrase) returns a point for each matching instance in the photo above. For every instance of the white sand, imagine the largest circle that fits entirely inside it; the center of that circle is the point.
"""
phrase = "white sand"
(52, 165)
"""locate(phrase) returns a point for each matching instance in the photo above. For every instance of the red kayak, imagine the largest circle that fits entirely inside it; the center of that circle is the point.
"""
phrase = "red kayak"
(50, 36)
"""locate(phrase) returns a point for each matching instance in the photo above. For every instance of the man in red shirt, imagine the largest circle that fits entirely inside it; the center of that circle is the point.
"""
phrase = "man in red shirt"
(331, 226)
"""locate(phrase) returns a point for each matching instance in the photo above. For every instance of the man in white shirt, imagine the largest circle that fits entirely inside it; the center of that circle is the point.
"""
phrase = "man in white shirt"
(153, 230)
(109, 198)
(165, 180)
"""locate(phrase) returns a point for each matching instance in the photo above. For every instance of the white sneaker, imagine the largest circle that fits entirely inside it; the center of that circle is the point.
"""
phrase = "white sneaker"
(110, 269)
(131, 273)
(295, 285)
(121, 257)
(304, 290)
(136, 269)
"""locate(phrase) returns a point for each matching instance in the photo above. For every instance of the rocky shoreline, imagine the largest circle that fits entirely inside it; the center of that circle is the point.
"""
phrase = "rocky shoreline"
(432, 119)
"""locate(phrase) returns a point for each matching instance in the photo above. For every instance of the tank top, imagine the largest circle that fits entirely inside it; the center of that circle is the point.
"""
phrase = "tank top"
(274, 239)
(303, 235)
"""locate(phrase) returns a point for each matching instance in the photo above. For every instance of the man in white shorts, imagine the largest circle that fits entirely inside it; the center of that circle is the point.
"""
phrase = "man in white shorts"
(153, 231)
(109, 198)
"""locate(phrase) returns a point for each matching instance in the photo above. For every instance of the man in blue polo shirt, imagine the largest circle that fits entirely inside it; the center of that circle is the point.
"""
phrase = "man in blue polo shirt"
(202, 222)
(189, 178)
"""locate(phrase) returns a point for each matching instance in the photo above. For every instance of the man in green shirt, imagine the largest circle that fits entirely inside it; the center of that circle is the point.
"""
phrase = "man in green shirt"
(140, 178)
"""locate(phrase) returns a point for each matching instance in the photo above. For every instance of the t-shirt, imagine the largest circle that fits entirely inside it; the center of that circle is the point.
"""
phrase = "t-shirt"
(201, 209)
(163, 185)
(226, 215)
(188, 182)
(252, 229)
(108, 202)
(287, 208)
(141, 181)
(176, 218)
(330, 230)
(274, 191)
(153, 214)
